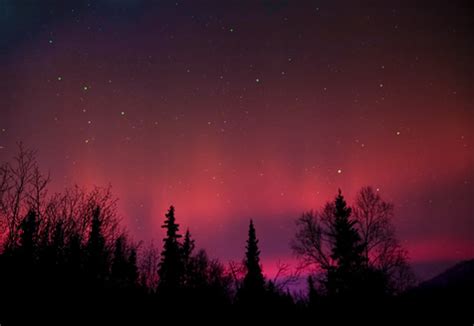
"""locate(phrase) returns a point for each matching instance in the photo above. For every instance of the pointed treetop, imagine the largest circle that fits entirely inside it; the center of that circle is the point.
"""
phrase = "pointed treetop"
(188, 245)
(341, 209)
(253, 253)
(254, 283)
(170, 224)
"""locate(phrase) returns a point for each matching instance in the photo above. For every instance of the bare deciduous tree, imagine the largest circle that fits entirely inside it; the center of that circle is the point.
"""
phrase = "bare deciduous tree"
(373, 216)
(150, 258)
(22, 187)
(285, 276)
(236, 270)
(382, 249)
(315, 237)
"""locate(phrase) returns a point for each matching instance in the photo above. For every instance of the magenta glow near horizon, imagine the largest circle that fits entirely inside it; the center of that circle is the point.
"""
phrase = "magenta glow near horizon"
(246, 110)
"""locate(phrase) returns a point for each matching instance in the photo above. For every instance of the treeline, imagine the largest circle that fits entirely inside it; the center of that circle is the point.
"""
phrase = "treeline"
(65, 251)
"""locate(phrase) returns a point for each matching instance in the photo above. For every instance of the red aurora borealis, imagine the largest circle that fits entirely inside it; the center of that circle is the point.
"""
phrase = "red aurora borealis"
(253, 109)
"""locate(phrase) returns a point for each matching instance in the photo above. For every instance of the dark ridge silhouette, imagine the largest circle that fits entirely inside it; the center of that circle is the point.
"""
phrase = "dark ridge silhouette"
(458, 277)
(65, 259)
(447, 294)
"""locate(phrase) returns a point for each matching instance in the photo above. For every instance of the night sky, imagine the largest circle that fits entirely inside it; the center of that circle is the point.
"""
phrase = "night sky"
(232, 110)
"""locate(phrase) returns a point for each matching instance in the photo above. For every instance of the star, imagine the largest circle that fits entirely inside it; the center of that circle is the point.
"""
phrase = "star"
(339, 171)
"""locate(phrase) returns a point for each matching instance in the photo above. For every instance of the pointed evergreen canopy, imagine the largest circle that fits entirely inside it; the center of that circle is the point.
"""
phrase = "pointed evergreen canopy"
(254, 283)
(119, 262)
(171, 226)
(188, 245)
(347, 251)
(29, 229)
(252, 261)
(96, 252)
(170, 268)
(132, 268)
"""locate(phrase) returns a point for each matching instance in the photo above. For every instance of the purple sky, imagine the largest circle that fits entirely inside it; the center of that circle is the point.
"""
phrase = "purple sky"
(252, 109)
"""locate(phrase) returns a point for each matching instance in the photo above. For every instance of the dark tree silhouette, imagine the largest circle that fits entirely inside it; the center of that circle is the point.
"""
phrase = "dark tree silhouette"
(253, 286)
(74, 258)
(313, 296)
(57, 249)
(171, 266)
(206, 281)
(96, 253)
(382, 250)
(28, 238)
(132, 268)
(123, 271)
(346, 252)
(188, 246)
(358, 252)
(148, 273)
(58, 244)
(187, 250)
(22, 188)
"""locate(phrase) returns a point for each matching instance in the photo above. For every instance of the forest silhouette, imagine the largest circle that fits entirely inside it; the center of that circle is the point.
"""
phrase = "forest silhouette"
(68, 255)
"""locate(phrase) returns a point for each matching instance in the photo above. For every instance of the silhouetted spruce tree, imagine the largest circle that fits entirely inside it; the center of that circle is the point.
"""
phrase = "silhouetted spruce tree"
(188, 246)
(28, 234)
(171, 265)
(96, 253)
(132, 268)
(57, 250)
(28, 238)
(124, 270)
(347, 252)
(253, 286)
(58, 243)
(24, 258)
(74, 255)
(187, 249)
(119, 268)
(51, 256)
